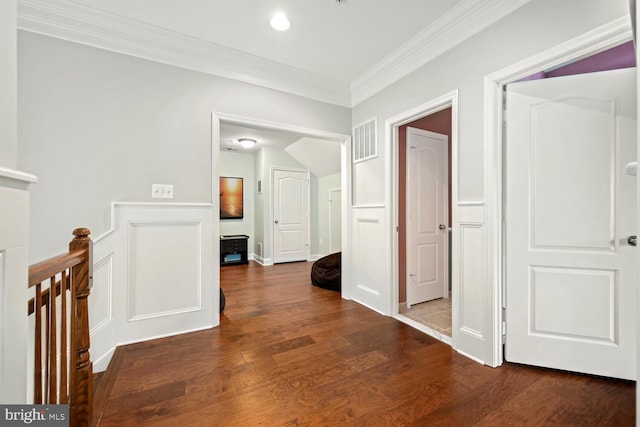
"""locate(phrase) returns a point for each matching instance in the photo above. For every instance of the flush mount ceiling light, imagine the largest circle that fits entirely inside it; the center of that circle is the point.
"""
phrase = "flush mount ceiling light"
(280, 22)
(247, 142)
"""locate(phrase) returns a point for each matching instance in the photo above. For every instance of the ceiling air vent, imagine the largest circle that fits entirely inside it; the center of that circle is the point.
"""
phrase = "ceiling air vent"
(365, 145)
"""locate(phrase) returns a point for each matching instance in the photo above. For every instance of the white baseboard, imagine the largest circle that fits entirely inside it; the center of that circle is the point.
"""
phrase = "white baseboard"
(263, 261)
(101, 364)
(422, 328)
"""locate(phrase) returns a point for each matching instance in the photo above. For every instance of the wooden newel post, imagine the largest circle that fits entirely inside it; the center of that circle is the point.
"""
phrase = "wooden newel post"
(81, 387)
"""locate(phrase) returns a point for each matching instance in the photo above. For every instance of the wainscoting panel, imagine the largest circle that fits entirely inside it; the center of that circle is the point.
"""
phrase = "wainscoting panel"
(370, 278)
(3, 332)
(100, 300)
(164, 268)
(14, 263)
(154, 275)
(471, 279)
(471, 317)
(102, 313)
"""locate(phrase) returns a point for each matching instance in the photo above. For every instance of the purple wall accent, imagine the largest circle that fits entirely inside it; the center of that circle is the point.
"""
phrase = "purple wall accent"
(623, 56)
(537, 76)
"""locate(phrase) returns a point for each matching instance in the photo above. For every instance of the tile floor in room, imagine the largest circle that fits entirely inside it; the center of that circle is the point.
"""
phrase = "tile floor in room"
(434, 314)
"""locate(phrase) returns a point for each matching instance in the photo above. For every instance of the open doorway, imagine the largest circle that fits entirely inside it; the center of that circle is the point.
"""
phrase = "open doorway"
(436, 120)
(597, 41)
(424, 226)
(259, 183)
(595, 96)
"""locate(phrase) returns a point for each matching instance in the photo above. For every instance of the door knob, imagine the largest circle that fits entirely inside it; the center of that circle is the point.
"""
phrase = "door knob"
(442, 226)
(632, 240)
(276, 221)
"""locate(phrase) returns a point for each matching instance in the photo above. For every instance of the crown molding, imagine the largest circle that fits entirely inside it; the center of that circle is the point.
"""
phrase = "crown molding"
(73, 21)
(78, 23)
(458, 24)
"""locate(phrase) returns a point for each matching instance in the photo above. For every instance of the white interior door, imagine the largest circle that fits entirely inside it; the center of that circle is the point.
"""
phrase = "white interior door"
(427, 229)
(290, 216)
(335, 220)
(570, 272)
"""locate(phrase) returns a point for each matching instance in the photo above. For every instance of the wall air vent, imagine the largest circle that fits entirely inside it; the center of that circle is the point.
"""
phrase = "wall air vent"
(365, 142)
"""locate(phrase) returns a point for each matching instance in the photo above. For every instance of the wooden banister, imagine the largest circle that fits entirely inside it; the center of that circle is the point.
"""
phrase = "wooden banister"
(81, 393)
(43, 270)
(69, 279)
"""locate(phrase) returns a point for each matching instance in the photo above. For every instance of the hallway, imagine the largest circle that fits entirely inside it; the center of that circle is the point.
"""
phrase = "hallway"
(289, 353)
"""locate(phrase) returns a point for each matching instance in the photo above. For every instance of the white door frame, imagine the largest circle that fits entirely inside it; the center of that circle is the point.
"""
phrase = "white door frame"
(345, 181)
(392, 190)
(597, 40)
(333, 190)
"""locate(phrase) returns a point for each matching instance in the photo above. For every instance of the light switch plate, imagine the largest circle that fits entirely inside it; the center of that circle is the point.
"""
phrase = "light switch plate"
(162, 191)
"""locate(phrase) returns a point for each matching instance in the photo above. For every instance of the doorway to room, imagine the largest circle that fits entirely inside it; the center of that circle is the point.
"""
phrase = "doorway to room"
(261, 183)
(424, 226)
(423, 210)
(577, 53)
(570, 206)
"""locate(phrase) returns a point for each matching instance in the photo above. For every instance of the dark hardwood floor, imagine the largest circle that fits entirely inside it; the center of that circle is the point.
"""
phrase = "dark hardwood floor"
(288, 353)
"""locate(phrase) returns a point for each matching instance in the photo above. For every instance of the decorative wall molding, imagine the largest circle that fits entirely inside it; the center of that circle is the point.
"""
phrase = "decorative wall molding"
(17, 175)
(471, 279)
(2, 330)
(160, 255)
(78, 23)
(14, 255)
(371, 206)
(470, 203)
(263, 261)
(83, 24)
(114, 205)
(458, 24)
(101, 293)
(180, 235)
(369, 266)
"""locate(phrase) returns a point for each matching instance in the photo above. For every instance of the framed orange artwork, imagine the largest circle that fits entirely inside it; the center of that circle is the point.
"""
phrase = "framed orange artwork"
(231, 198)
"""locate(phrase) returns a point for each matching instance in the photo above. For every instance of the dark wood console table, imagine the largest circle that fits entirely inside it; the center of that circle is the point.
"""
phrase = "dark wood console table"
(233, 249)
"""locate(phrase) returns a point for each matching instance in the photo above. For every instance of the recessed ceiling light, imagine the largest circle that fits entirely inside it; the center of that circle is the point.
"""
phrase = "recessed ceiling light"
(280, 22)
(247, 142)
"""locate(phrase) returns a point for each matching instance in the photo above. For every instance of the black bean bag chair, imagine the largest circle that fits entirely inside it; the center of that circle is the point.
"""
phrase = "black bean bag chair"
(325, 272)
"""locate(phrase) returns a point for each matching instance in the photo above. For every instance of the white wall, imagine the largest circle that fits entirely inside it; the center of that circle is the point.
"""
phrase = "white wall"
(98, 127)
(101, 127)
(260, 208)
(325, 183)
(534, 27)
(154, 275)
(267, 159)
(537, 26)
(8, 84)
(14, 231)
(240, 165)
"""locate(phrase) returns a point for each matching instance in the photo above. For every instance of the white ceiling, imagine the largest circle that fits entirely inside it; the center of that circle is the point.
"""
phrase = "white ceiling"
(321, 157)
(339, 41)
(229, 135)
(336, 53)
